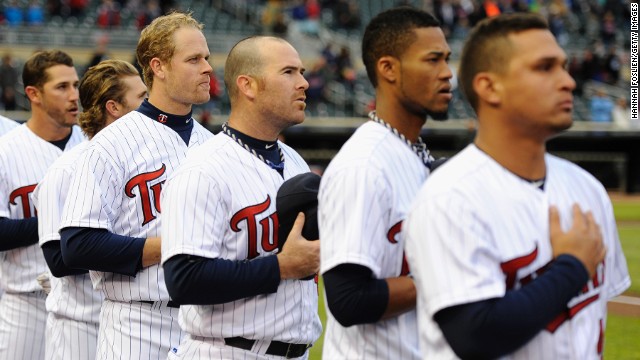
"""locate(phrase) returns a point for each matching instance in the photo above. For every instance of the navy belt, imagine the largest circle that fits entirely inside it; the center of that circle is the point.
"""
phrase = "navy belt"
(278, 348)
(170, 304)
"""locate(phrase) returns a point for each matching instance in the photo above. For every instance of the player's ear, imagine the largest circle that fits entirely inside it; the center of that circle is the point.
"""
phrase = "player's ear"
(33, 93)
(247, 85)
(113, 108)
(387, 69)
(488, 87)
(157, 67)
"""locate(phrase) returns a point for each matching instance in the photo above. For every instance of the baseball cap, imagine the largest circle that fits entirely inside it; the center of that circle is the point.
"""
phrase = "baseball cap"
(298, 194)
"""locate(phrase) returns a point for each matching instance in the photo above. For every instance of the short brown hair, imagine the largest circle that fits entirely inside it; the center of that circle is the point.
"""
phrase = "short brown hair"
(101, 83)
(245, 58)
(156, 41)
(488, 48)
(35, 68)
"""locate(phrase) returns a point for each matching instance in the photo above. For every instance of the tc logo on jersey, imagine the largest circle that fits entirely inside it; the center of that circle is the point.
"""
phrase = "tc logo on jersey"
(162, 118)
(587, 295)
(392, 236)
(146, 188)
(23, 193)
(268, 226)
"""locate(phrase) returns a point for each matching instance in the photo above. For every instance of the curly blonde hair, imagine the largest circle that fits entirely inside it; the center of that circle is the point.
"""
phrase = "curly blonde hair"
(101, 83)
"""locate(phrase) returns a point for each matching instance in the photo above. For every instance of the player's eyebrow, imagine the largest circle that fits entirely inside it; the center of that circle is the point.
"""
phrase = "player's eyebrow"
(295, 68)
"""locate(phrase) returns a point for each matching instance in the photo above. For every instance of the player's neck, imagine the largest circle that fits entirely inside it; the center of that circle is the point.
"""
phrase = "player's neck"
(407, 123)
(255, 129)
(520, 156)
(166, 104)
(46, 128)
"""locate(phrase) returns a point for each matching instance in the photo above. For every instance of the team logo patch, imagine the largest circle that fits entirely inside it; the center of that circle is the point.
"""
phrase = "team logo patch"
(163, 118)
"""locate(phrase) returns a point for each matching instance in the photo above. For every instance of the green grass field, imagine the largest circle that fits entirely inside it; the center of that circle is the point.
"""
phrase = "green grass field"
(622, 334)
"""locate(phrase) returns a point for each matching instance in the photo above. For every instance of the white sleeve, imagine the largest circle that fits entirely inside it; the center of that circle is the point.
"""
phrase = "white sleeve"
(353, 212)
(48, 198)
(451, 252)
(92, 200)
(194, 217)
(616, 271)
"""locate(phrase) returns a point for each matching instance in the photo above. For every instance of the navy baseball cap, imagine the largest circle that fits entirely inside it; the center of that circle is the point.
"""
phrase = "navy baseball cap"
(298, 194)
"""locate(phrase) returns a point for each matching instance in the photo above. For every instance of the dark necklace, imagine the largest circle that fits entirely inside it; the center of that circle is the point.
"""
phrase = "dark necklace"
(278, 167)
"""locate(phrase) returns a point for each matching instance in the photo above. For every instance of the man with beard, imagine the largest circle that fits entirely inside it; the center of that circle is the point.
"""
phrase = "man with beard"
(367, 188)
(51, 84)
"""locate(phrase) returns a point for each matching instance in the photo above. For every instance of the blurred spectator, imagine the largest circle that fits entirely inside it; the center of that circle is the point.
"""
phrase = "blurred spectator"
(35, 13)
(54, 7)
(612, 65)
(306, 15)
(347, 14)
(151, 11)
(317, 78)
(608, 29)
(601, 107)
(9, 81)
(575, 70)
(280, 26)
(77, 8)
(109, 14)
(100, 53)
(13, 14)
(590, 66)
(270, 13)
(621, 114)
(344, 68)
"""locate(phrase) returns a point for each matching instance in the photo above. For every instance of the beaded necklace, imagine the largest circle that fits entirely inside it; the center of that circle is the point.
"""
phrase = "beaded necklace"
(419, 148)
(278, 167)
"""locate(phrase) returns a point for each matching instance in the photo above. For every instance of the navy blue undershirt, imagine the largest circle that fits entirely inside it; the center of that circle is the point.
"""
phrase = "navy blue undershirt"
(17, 233)
(203, 281)
(354, 296)
(197, 280)
(493, 328)
(101, 250)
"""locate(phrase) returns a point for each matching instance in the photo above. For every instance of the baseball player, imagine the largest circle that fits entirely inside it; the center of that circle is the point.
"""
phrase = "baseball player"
(51, 84)
(112, 217)
(368, 186)
(6, 125)
(220, 237)
(107, 91)
(515, 252)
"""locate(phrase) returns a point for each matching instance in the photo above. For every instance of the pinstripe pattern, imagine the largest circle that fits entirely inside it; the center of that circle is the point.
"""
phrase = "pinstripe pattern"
(22, 323)
(365, 191)
(73, 304)
(24, 159)
(131, 146)
(70, 339)
(214, 183)
(6, 125)
(455, 246)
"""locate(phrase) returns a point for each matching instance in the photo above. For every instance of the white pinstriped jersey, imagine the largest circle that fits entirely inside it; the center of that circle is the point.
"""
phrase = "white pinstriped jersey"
(71, 296)
(364, 196)
(477, 230)
(24, 159)
(7, 124)
(117, 185)
(221, 204)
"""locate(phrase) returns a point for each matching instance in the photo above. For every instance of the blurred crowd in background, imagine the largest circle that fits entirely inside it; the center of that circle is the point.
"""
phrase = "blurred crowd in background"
(595, 34)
